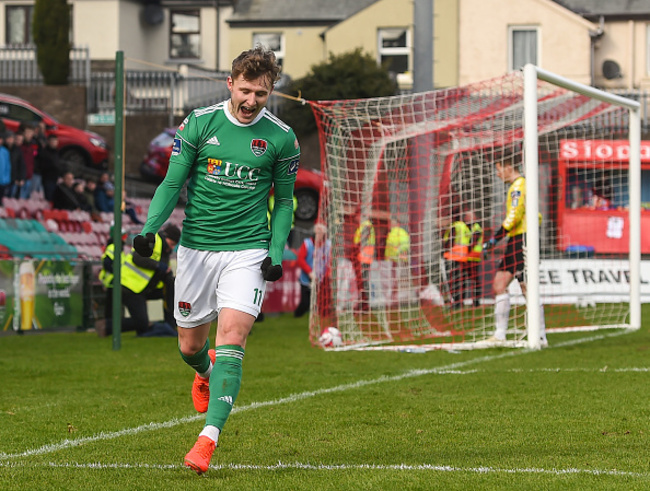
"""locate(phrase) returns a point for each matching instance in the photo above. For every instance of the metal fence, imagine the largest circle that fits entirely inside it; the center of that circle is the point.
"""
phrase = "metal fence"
(171, 92)
(18, 66)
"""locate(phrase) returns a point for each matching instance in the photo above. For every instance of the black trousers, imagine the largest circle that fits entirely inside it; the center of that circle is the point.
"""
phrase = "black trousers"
(136, 303)
(305, 299)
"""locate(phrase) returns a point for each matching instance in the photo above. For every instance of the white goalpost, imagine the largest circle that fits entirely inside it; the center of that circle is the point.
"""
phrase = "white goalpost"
(531, 75)
(406, 175)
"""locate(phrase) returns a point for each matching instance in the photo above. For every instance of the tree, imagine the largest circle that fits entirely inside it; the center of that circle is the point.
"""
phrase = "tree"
(351, 75)
(51, 28)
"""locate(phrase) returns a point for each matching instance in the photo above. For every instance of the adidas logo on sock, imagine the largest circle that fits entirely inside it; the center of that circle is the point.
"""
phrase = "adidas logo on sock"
(213, 141)
(226, 399)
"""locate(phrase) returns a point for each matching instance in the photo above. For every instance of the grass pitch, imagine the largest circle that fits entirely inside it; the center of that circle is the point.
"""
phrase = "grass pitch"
(74, 414)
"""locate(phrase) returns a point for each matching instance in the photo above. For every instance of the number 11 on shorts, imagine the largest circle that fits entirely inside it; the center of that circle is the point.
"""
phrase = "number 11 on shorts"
(258, 296)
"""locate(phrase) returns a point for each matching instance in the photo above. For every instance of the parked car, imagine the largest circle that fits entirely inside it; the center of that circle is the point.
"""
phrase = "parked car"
(306, 190)
(77, 146)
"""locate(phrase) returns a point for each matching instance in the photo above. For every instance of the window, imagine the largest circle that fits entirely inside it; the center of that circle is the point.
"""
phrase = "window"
(185, 35)
(273, 41)
(18, 29)
(395, 49)
(17, 113)
(523, 47)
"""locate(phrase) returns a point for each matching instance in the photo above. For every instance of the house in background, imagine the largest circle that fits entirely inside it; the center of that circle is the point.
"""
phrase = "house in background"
(305, 32)
(163, 33)
(208, 34)
(605, 43)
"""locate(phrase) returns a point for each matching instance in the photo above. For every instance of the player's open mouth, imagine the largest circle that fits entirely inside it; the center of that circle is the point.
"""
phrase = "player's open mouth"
(247, 111)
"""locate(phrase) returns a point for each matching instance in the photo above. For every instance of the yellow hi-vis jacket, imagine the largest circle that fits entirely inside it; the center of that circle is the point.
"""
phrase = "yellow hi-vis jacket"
(364, 237)
(398, 245)
(476, 253)
(136, 278)
(459, 251)
(271, 205)
(106, 277)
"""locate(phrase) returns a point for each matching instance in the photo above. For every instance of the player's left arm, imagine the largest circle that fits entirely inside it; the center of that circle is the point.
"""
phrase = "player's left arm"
(284, 177)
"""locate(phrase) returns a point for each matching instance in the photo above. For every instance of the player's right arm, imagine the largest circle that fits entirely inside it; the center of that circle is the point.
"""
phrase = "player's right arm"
(165, 198)
(184, 151)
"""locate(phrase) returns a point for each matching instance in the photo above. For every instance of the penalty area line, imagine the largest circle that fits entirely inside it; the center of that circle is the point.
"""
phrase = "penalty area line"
(103, 436)
(336, 467)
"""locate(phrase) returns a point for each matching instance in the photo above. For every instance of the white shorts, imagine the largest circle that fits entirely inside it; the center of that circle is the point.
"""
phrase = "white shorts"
(207, 281)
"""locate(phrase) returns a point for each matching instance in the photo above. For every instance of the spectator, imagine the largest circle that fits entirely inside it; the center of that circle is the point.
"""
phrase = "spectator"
(89, 193)
(27, 147)
(129, 209)
(65, 197)
(79, 188)
(13, 144)
(305, 262)
(322, 270)
(49, 163)
(5, 168)
(105, 193)
(39, 141)
(40, 134)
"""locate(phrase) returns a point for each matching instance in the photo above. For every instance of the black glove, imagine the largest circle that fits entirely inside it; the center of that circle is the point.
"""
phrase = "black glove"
(144, 245)
(489, 244)
(271, 272)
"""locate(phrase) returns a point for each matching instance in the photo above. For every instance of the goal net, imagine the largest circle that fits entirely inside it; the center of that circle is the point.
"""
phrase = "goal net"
(412, 192)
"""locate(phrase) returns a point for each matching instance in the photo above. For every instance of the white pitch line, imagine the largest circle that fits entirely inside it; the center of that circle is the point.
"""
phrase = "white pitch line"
(336, 467)
(67, 443)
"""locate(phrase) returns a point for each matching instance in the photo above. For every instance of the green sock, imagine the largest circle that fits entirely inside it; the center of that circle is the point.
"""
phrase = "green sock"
(200, 361)
(225, 382)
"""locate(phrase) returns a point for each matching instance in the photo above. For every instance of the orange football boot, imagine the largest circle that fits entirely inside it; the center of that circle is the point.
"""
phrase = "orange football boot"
(201, 388)
(198, 459)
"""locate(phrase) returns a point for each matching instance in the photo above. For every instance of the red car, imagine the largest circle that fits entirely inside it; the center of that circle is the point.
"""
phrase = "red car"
(76, 146)
(308, 182)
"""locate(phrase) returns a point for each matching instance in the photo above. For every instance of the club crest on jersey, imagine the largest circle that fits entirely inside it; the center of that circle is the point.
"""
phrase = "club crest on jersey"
(214, 167)
(258, 147)
(177, 147)
(184, 308)
(293, 166)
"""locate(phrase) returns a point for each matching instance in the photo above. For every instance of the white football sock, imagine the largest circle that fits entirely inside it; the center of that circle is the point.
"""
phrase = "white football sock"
(207, 373)
(501, 314)
(212, 432)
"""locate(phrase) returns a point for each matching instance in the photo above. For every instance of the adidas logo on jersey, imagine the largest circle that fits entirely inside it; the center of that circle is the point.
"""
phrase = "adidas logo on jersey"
(226, 399)
(213, 141)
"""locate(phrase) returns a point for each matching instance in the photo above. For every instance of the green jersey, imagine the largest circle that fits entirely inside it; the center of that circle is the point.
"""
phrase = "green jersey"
(231, 167)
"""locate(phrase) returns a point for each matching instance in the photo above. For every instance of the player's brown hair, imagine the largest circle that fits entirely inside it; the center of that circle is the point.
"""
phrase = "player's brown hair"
(255, 63)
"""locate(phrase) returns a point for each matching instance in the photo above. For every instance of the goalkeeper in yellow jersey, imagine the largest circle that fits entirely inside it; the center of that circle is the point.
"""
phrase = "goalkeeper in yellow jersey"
(512, 263)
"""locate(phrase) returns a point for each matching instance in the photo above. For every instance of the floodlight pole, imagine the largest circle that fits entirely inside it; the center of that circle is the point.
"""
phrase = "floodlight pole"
(117, 206)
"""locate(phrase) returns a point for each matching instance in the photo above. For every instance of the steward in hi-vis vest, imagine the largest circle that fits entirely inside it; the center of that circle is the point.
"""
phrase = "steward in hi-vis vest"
(364, 238)
(148, 278)
(457, 238)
